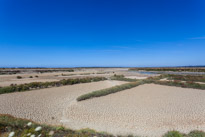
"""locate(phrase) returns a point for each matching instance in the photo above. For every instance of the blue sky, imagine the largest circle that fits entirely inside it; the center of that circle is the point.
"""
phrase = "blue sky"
(74, 33)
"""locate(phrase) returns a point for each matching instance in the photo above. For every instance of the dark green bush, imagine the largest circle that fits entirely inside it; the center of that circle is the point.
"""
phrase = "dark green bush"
(196, 133)
(173, 134)
(121, 78)
(190, 78)
(181, 84)
(39, 85)
(107, 91)
(19, 77)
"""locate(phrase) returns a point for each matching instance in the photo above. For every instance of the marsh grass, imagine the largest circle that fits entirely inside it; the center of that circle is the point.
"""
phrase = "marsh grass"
(9, 124)
(111, 90)
(173, 134)
(175, 69)
(155, 80)
(192, 78)
(40, 85)
(18, 77)
(177, 83)
(122, 78)
(21, 128)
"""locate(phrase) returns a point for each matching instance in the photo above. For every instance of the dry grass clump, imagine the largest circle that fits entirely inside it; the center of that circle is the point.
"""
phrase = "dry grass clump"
(173, 134)
(155, 80)
(17, 127)
(178, 83)
(40, 85)
(122, 78)
(194, 133)
(111, 90)
(18, 77)
(186, 77)
(180, 69)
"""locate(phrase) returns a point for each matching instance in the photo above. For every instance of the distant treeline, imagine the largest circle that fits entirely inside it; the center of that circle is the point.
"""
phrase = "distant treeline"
(180, 69)
(41, 85)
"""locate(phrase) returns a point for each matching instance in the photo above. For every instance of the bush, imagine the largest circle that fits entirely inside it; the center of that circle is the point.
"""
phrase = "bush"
(36, 76)
(196, 133)
(31, 77)
(19, 77)
(173, 134)
(190, 78)
(121, 78)
(36, 85)
(181, 84)
(107, 91)
(22, 128)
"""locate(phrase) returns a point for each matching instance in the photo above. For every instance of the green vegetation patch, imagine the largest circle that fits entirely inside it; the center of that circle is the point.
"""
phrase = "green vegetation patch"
(181, 84)
(175, 69)
(173, 134)
(40, 85)
(155, 80)
(114, 89)
(192, 78)
(122, 78)
(17, 127)
(18, 77)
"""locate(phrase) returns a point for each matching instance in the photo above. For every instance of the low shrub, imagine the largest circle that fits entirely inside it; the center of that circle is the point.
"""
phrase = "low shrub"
(30, 76)
(22, 128)
(175, 69)
(107, 91)
(155, 80)
(122, 78)
(181, 84)
(39, 85)
(19, 77)
(196, 133)
(191, 78)
(173, 134)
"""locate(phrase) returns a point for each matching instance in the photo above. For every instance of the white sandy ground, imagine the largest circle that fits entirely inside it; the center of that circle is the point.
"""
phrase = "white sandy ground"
(7, 80)
(147, 110)
(165, 79)
(136, 77)
(47, 105)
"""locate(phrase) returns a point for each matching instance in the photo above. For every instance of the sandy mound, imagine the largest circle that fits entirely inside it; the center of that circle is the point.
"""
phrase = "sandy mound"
(47, 105)
(147, 110)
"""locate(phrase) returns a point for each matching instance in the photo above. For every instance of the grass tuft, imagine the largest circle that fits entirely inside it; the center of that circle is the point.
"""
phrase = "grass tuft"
(173, 134)
(111, 90)
(40, 85)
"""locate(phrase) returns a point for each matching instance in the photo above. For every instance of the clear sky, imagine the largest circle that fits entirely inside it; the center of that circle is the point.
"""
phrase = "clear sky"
(74, 33)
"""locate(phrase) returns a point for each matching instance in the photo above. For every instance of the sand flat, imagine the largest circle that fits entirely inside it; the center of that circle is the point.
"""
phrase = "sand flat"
(147, 110)
(47, 105)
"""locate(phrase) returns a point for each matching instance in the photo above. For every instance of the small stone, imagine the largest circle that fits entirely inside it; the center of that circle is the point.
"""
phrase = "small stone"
(11, 134)
(38, 128)
(51, 133)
